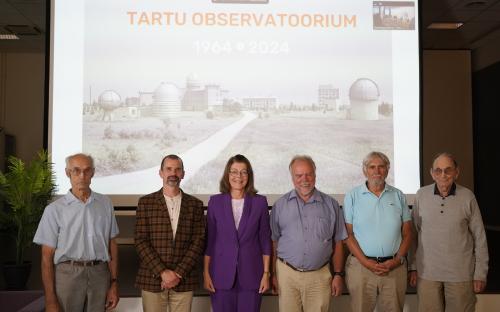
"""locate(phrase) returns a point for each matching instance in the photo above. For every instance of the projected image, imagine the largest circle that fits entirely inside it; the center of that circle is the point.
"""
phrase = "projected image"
(394, 15)
(209, 80)
(202, 122)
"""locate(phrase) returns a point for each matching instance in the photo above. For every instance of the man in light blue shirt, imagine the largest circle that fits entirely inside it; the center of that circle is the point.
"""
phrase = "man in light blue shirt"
(79, 252)
(307, 232)
(378, 222)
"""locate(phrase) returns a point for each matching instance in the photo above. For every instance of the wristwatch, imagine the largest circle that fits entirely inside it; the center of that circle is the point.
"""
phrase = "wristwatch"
(341, 273)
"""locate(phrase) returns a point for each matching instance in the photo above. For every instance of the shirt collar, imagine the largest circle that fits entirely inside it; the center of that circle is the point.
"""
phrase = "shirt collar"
(365, 189)
(71, 198)
(176, 198)
(316, 196)
(453, 190)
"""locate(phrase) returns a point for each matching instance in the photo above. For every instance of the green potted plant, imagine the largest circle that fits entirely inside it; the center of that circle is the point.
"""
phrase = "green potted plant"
(25, 190)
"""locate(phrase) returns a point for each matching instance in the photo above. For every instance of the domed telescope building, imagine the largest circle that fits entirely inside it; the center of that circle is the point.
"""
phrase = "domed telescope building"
(364, 96)
(109, 100)
(166, 100)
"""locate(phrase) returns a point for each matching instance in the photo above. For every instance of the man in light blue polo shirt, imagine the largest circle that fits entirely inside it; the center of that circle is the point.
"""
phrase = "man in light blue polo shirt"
(378, 222)
(79, 252)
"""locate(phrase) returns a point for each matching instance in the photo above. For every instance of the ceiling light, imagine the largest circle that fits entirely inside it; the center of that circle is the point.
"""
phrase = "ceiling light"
(452, 25)
(8, 37)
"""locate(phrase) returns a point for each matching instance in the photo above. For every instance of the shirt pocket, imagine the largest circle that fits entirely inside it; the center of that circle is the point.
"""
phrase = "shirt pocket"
(98, 226)
(323, 229)
(393, 209)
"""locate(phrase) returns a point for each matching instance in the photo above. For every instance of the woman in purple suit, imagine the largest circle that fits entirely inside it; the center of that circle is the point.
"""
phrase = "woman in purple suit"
(236, 264)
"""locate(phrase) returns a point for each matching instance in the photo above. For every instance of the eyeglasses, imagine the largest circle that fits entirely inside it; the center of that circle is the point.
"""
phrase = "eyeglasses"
(447, 171)
(236, 173)
(78, 171)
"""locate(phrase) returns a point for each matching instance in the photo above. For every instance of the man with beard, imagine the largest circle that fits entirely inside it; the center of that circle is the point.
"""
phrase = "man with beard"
(169, 239)
(307, 232)
(379, 226)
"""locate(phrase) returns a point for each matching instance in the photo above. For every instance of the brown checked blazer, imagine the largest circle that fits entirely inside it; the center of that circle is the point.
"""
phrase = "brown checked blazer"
(155, 245)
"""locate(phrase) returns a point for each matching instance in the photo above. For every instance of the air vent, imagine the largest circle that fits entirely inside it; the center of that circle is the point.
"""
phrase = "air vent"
(23, 30)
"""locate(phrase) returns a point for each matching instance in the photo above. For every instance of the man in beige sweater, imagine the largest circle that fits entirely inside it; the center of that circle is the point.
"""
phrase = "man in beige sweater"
(451, 259)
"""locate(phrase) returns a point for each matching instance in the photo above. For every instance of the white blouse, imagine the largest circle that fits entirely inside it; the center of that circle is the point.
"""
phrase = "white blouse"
(237, 205)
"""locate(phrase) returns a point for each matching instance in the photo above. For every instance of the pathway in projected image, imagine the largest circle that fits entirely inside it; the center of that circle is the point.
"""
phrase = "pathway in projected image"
(337, 146)
(149, 179)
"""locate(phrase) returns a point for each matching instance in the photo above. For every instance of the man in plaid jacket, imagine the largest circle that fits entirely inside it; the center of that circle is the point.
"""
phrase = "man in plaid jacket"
(169, 239)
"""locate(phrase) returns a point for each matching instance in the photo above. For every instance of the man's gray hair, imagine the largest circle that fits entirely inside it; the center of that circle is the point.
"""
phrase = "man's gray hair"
(374, 154)
(445, 154)
(305, 158)
(70, 157)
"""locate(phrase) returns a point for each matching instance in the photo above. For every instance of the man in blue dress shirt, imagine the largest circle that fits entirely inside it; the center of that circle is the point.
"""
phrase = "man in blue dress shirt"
(307, 232)
(79, 252)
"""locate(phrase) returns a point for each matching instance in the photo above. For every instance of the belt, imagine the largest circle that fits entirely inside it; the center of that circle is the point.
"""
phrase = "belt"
(299, 269)
(380, 259)
(83, 263)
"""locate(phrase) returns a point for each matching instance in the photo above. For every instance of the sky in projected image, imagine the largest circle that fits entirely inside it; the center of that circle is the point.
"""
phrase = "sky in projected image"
(332, 79)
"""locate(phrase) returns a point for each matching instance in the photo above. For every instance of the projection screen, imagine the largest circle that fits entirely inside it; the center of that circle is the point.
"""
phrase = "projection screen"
(134, 80)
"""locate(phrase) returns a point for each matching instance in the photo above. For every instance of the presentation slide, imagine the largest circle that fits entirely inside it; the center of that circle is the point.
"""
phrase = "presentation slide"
(135, 80)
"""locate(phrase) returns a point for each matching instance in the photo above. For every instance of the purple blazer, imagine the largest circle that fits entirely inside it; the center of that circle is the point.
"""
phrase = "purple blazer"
(239, 251)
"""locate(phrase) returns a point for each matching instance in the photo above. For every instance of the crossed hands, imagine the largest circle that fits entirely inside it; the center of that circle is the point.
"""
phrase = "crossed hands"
(382, 268)
(169, 279)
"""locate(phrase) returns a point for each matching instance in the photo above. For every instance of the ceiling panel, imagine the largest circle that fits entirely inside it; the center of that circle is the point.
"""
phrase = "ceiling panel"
(10, 15)
(457, 16)
(34, 12)
(495, 7)
(487, 16)
(473, 31)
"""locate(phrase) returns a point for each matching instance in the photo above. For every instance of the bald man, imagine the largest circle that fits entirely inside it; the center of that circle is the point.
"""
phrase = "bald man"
(452, 254)
(79, 252)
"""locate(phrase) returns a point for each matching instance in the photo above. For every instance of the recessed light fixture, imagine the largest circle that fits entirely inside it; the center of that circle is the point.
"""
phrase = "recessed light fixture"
(8, 37)
(451, 25)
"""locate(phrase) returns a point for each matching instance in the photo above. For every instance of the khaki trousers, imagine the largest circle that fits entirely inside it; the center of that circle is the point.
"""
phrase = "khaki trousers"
(167, 300)
(445, 296)
(82, 288)
(303, 291)
(368, 289)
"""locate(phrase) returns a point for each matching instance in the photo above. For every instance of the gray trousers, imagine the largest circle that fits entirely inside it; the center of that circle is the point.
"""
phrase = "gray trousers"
(82, 288)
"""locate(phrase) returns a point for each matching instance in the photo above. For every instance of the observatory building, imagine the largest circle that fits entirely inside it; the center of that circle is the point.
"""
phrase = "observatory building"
(364, 96)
